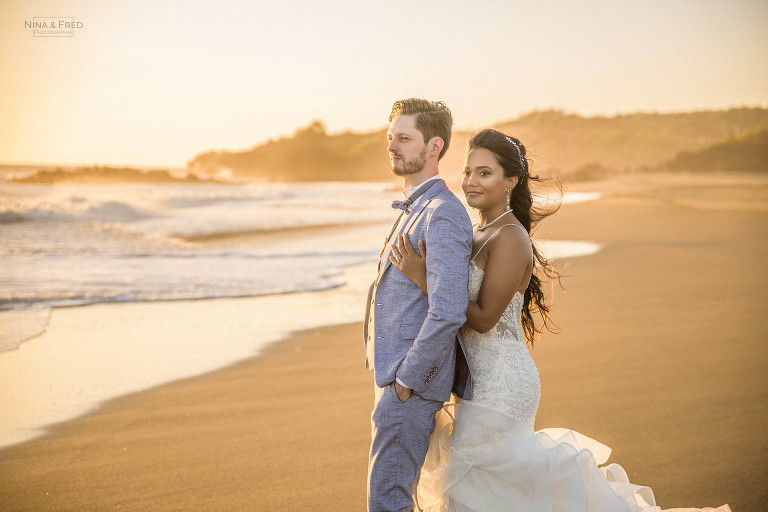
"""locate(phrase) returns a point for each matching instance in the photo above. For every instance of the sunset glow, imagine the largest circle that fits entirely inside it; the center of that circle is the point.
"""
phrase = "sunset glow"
(154, 83)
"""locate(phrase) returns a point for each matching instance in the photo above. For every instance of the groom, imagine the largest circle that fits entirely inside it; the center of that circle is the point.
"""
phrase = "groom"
(410, 338)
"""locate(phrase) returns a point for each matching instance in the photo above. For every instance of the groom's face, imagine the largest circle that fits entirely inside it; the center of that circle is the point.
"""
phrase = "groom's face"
(407, 150)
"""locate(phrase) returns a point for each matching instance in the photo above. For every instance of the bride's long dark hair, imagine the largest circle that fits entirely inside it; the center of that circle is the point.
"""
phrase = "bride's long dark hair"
(511, 155)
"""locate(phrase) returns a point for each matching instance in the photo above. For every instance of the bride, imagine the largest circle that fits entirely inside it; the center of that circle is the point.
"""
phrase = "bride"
(484, 455)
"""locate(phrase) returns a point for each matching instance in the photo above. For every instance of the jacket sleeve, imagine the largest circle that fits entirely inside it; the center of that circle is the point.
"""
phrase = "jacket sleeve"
(448, 248)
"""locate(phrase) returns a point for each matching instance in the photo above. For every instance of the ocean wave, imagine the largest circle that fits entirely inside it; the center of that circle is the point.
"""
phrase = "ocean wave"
(196, 200)
(580, 197)
(196, 212)
(114, 211)
(75, 209)
(70, 299)
(22, 322)
(563, 249)
(215, 235)
(87, 277)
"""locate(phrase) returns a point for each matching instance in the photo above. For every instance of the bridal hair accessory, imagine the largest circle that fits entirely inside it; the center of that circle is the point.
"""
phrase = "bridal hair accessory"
(481, 228)
(520, 153)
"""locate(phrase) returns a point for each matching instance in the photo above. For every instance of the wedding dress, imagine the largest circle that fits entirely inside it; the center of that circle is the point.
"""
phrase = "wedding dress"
(484, 455)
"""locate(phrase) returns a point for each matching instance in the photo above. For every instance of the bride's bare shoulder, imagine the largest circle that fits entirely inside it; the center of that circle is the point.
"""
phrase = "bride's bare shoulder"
(510, 240)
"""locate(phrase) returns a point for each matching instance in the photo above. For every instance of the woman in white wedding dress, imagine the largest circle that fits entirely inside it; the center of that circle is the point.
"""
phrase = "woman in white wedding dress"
(484, 454)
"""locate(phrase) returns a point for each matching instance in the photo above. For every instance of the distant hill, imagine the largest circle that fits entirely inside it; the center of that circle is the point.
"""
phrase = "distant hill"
(310, 154)
(631, 141)
(747, 153)
(104, 175)
(576, 147)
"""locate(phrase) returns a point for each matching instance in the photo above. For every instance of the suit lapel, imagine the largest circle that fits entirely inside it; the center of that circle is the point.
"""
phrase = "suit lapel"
(416, 208)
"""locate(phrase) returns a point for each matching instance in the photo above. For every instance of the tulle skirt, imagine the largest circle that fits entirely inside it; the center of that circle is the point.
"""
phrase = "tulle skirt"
(481, 460)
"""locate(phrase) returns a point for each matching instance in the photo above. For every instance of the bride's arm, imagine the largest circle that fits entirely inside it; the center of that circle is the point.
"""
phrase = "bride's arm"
(509, 255)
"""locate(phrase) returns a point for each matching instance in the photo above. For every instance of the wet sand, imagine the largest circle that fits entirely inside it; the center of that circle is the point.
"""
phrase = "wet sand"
(661, 356)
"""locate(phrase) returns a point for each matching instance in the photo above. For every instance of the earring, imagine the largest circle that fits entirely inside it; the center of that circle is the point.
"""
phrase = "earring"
(509, 196)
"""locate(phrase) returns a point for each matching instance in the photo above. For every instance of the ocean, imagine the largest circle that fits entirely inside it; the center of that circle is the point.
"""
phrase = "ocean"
(73, 245)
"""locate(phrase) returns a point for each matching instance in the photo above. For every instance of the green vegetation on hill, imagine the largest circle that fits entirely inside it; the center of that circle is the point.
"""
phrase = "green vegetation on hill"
(747, 153)
(310, 154)
(576, 147)
(99, 175)
(627, 142)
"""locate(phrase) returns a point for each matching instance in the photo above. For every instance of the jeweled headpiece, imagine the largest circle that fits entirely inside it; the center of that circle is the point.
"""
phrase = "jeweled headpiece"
(520, 154)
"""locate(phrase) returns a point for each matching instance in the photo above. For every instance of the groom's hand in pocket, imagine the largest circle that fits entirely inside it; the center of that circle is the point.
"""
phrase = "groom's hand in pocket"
(403, 393)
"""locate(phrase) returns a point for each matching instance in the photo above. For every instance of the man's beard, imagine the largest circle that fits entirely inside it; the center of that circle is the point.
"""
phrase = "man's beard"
(411, 166)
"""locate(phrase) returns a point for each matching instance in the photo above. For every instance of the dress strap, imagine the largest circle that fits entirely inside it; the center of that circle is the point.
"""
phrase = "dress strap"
(494, 234)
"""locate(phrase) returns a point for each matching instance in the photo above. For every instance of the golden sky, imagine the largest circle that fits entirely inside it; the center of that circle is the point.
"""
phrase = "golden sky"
(153, 82)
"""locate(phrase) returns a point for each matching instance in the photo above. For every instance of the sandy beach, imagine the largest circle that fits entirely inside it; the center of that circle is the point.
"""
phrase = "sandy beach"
(661, 356)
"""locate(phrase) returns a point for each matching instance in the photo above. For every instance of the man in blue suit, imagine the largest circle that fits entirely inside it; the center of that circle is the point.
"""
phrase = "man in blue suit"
(412, 342)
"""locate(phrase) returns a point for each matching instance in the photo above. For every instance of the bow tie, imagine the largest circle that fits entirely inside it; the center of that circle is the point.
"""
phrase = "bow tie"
(403, 205)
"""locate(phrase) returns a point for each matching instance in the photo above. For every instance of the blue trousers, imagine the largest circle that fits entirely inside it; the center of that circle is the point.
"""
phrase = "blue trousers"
(400, 438)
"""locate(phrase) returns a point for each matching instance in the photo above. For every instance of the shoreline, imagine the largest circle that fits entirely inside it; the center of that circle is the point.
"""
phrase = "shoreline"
(90, 354)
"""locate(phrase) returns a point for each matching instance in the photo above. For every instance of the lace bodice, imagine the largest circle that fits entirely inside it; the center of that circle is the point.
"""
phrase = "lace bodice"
(504, 376)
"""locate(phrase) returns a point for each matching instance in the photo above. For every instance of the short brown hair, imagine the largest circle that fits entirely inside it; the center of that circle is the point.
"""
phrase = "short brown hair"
(433, 119)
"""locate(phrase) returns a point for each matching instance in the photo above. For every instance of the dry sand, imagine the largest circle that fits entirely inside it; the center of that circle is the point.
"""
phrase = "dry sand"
(662, 356)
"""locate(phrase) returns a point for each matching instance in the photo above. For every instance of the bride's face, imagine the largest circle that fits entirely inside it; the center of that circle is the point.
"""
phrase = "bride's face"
(484, 183)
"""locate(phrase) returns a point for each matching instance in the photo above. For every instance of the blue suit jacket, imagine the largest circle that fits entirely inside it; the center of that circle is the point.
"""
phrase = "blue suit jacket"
(416, 336)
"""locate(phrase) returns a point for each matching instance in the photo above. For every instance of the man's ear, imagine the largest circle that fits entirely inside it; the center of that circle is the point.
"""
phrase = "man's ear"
(435, 146)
